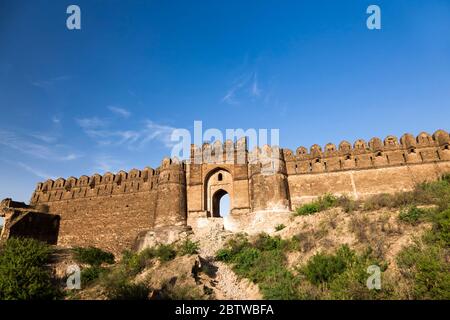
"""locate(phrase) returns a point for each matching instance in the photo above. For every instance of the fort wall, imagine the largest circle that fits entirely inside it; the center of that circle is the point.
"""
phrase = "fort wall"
(110, 211)
(365, 169)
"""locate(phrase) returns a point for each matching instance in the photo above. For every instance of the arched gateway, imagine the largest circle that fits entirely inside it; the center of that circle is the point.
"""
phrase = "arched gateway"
(219, 182)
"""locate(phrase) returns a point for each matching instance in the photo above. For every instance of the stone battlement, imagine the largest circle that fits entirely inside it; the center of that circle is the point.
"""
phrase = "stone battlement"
(106, 185)
(377, 153)
(407, 142)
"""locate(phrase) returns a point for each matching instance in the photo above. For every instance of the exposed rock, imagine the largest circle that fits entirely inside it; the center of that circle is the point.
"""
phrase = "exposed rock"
(162, 235)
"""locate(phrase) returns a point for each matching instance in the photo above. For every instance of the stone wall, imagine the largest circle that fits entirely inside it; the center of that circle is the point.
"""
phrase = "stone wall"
(364, 169)
(110, 211)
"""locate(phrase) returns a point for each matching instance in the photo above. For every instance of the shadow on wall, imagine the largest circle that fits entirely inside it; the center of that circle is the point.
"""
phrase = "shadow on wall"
(40, 226)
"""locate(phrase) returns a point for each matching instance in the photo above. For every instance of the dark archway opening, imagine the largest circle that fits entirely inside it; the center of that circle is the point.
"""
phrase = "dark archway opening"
(220, 203)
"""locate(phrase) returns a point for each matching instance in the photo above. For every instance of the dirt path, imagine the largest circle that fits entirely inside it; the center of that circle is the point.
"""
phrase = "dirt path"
(227, 284)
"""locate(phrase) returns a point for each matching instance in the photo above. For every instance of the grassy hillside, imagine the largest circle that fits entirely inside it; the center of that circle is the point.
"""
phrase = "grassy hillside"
(331, 244)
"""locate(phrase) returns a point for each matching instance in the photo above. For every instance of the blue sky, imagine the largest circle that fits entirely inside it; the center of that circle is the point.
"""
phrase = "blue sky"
(107, 97)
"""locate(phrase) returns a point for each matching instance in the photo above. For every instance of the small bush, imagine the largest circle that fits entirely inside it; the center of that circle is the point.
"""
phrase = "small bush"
(347, 204)
(280, 227)
(188, 247)
(93, 256)
(245, 260)
(264, 242)
(341, 275)
(428, 269)
(412, 215)
(165, 252)
(322, 203)
(237, 243)
(441, 228)
(446, 178)
(134, 262)
(307, 209)
(90, 274)
(23, 274)
(324, 267)
(224, 255)
(327, 201)
(303, 241)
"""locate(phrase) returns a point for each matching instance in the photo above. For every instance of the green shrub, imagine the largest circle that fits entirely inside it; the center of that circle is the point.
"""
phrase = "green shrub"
(188, 247)
(93, 256)
(224, 255)
(322, 203)
(165, 252)
(324, 267)
(342, 275)
(244, 260)
(426, 266)
(264, 242)
(237, 243)
(327, 201)
(307, 209)
(446, 178)
(279, 284)
(23, 275)
(436, 192)
(90, 274)
(441, 228)
(412, 215)
(132, 263)
(280, 227)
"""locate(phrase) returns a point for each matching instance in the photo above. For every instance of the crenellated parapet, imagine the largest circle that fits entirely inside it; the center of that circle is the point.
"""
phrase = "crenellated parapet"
(266, 160)
(97, 185)
(218, 152)
(375, 153)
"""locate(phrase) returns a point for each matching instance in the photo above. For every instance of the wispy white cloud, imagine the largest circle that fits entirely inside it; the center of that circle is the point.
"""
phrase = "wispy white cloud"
(119, 111)
(36, 146)
(36, 172)
(48, 83)
(100, 130)
(244, 87)
(47, 138)
(107, 163)
(91, 123)
(255, 90)
(159, 132)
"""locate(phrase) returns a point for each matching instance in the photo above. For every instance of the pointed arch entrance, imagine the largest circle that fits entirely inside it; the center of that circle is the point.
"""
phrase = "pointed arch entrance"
(219, 183)
(217, 203)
